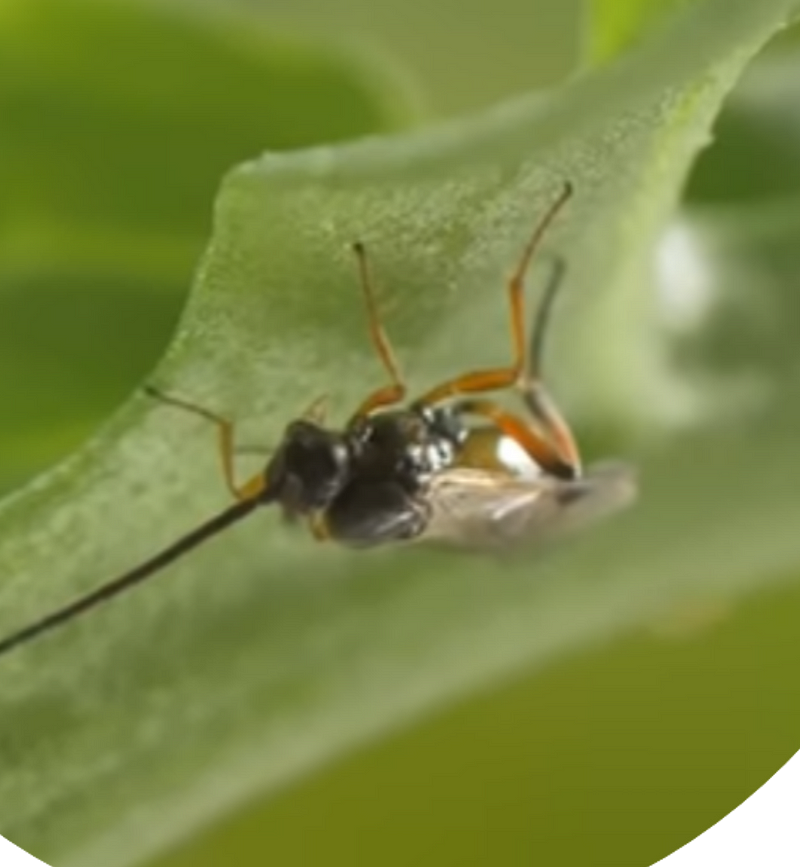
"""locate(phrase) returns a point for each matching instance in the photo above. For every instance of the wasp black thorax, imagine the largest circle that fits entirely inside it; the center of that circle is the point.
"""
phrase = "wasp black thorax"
(406, 446)
(364, 481)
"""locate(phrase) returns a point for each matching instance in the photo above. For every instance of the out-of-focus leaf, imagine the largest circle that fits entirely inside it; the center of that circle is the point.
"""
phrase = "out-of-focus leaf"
(613, 25)
(117, 120)
(463, 55)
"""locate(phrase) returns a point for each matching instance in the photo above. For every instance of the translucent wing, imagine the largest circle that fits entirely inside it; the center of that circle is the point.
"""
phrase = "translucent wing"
(474, 508)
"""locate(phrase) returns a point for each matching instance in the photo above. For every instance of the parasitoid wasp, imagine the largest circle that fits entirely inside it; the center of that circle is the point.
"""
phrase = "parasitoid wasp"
(449, 466)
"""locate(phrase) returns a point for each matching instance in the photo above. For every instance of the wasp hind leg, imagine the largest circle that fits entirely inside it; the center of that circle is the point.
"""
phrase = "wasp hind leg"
(530, 383)
(557, 447)
(539, 448)
(496, 379)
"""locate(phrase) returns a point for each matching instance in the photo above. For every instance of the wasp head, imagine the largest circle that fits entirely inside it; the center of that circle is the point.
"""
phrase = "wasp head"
(309, 469)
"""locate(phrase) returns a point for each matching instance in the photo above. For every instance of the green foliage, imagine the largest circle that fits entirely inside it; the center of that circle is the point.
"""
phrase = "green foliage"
(263, 655)
(613, 25)
(118, 120)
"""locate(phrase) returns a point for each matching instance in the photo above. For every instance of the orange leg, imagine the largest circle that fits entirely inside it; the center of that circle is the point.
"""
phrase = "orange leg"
(523, 372)
(540, 449)
(225, 431)
(396, 390)
(531, 383)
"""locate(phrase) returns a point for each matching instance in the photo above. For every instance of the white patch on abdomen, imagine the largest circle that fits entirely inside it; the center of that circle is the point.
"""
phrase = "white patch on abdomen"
(516, 460)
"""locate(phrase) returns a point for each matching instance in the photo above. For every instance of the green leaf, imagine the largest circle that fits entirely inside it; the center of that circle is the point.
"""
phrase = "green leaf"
(263, 654)
(118, 120)
(614, 25)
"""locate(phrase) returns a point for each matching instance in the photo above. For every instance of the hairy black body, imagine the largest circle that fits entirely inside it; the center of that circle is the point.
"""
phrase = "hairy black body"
(365, 485)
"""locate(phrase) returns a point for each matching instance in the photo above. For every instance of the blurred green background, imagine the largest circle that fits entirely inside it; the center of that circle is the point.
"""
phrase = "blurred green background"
(118, 123)
(617, 756)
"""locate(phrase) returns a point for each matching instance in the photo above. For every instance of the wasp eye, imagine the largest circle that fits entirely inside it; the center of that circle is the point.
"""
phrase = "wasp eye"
(312, 467)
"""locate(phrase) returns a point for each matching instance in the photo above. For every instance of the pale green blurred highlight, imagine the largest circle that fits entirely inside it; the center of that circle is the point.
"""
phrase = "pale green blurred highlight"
(614, 25)
(461, 54)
